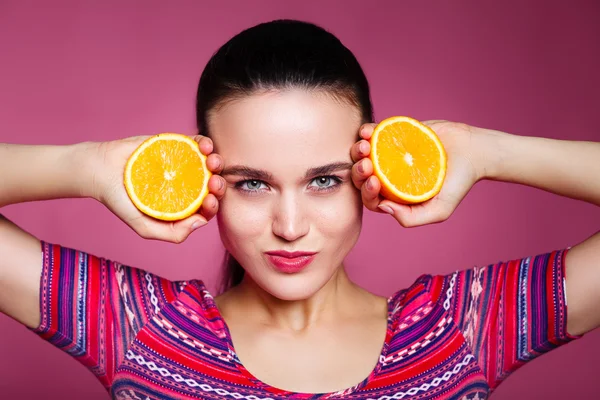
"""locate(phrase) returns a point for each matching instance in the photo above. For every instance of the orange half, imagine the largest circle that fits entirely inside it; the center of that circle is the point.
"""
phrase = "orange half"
(409, 160)
(166, 177)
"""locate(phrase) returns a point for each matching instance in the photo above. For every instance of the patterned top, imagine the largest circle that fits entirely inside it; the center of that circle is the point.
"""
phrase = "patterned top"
(449, 337)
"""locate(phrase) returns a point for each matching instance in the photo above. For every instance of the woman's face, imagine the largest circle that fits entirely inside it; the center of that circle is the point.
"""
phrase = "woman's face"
(287, 166)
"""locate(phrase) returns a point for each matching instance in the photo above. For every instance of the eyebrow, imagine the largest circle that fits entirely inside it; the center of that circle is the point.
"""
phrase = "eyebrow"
(247, 172)
(328, 169)
(263, 175)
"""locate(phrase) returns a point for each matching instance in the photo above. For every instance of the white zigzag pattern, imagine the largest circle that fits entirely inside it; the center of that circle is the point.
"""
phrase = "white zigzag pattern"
(190, 341)
(449, 292)
(153, 298)
(434, 383)
(222, 392)
(151, 365)
(129, 395)
(415, 347)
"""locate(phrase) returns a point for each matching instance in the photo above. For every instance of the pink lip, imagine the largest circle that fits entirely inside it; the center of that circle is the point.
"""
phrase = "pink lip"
(290, 262)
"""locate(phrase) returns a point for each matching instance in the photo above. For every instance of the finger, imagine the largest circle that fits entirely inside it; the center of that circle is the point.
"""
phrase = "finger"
(170, 231)
(217, 186)
(214, 163)
(361, 171)
(407, 215)
(370, 193)
(366, 130)
(360, 150)
(209, 207)
(205, 144)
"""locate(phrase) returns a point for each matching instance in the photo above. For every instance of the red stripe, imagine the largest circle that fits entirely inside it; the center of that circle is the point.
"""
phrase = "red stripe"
(182, 357)
(439, 357)
(510, 311)
(54, 304)
(551, 281)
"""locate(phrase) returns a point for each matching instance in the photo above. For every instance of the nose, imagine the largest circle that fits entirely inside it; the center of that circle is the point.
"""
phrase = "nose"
(289, 220)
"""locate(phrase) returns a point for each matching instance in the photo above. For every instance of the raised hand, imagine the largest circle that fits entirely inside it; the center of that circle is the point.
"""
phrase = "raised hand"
(464, 169)
(109, 163)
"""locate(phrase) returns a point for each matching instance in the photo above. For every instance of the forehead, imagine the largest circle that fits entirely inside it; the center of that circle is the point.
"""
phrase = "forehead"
(296, 128)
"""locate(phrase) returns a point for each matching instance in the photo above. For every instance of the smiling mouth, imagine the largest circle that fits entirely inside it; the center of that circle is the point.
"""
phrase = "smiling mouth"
(290, 262)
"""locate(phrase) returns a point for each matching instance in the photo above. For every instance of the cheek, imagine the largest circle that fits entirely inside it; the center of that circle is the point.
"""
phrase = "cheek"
(240, 220)
(340, 219)
(337, 219)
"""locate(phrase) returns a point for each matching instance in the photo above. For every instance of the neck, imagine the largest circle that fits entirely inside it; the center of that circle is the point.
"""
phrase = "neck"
(333, 300)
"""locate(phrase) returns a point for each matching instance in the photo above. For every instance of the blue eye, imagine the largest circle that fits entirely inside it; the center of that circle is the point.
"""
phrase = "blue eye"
(318, 184)
(251, 185)
(325, 182)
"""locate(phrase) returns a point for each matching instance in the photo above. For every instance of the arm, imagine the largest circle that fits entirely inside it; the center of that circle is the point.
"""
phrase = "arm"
(567, 168)
(30, 173)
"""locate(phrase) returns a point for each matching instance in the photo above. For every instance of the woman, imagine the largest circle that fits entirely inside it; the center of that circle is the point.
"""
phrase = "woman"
(282, 103)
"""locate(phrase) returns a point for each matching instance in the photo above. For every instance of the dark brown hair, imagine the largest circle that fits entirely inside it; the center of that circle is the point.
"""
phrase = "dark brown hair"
(278, 55)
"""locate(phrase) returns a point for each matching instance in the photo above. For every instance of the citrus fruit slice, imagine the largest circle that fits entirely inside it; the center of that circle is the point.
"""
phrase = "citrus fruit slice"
(166, 177)
(409, 160)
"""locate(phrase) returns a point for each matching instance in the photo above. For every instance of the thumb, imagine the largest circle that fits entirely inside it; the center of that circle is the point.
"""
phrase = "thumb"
(411, 215)
(172, 231)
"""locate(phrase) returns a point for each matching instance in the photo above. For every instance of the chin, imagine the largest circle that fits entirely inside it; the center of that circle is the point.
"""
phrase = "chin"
(291, 287)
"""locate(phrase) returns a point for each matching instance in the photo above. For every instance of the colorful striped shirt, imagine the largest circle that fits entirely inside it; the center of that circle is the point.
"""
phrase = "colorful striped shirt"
(456, 336)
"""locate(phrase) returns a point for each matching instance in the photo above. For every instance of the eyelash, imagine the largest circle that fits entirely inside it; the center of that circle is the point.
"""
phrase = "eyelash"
(336, 182)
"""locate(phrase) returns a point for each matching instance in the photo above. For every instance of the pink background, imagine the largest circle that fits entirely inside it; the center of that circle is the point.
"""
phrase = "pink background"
(75, 71)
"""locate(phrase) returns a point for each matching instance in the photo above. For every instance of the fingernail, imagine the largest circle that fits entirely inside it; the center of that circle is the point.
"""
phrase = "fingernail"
(369, 184)
(198, 224)
(362, 147)
(386, 209)
(360, 168)
(221, 184)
